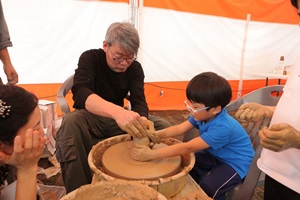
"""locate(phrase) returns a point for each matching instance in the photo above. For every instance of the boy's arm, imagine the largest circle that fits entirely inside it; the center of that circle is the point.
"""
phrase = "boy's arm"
(145, 153)
(175, 130)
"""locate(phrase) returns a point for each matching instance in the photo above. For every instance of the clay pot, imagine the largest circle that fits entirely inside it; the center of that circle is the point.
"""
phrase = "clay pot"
(168, 186)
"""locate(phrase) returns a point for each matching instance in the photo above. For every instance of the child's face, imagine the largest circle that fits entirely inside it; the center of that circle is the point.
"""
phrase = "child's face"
(199, 111)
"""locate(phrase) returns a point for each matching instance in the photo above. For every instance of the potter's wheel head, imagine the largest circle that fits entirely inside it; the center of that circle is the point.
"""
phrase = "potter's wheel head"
(117, 162)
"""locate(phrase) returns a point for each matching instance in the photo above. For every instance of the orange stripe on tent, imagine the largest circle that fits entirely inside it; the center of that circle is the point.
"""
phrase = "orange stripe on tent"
(117, 1)
(279, 11)
(174, 92)
(171, 99)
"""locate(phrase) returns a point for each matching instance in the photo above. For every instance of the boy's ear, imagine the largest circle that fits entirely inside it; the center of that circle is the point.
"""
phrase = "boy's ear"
(217, 110)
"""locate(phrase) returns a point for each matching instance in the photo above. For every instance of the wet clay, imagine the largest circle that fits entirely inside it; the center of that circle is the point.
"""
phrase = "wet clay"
(118, 163)
(114, 190)
(168, 186)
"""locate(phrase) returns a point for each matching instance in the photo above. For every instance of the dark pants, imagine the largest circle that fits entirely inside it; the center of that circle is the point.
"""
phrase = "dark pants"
(80, 130)
(276, 191)
(215, 177)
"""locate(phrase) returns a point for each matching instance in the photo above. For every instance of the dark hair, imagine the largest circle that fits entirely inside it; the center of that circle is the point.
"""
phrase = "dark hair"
(295, 3)
(209, 89)
(22, 103)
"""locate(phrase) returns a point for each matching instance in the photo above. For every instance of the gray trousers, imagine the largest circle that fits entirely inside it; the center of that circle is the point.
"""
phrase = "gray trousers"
(79, 131)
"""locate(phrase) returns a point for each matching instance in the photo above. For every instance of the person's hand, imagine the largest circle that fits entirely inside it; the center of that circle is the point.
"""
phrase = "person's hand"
(253, 111)
(25, 154)
(138, 127)
(142, 153)
(151, 132)
(131, 123)
(148, 130)
(279, 137)
(11, 74)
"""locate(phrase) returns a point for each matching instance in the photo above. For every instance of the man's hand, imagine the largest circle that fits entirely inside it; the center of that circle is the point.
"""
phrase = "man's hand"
(131, 123)
(11, 74)
(279, 137)
(151, 133)
(9, 70)
(139, 127)
(253, 111)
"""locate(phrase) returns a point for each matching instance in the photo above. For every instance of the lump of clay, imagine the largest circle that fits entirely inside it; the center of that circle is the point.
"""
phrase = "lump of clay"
(141, 141)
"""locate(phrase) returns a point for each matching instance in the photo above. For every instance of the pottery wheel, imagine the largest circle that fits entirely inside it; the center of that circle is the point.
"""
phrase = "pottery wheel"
(117, 162)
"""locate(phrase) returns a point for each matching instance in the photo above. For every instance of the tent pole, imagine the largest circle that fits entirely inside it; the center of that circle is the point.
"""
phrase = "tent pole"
(140, 27)
(240, 87)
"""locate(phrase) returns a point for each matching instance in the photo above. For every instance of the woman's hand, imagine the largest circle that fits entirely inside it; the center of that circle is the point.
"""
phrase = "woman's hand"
(25, 154)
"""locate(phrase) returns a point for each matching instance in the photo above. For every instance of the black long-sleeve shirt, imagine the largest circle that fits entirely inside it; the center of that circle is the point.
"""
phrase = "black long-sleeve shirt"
(93, 76)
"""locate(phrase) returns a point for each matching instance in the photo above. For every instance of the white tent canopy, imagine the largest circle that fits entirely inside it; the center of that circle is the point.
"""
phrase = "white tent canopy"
(179, 39)
(50, 35)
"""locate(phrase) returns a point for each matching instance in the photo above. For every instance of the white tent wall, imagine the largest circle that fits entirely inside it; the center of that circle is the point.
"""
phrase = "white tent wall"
(49, 36)
(185, 44)
(267, 42)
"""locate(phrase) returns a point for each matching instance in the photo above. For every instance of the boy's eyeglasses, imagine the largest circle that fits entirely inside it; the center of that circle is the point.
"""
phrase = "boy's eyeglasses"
(189, 108)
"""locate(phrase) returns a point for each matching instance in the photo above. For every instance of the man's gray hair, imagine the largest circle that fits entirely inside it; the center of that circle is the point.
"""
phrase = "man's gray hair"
(125, 35)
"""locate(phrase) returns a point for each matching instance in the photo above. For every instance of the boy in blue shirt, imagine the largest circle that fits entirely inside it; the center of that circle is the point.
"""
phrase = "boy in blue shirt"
(223, 149)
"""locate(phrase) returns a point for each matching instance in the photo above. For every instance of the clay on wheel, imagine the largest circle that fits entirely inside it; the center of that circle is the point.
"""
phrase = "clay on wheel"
(117, 162)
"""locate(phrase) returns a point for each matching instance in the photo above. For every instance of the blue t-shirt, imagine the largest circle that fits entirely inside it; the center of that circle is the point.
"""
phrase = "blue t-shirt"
(228, 141)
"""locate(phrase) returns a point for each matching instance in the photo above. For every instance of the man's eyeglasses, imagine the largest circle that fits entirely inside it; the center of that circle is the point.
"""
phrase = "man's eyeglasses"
(120, 59)
(189, 108)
